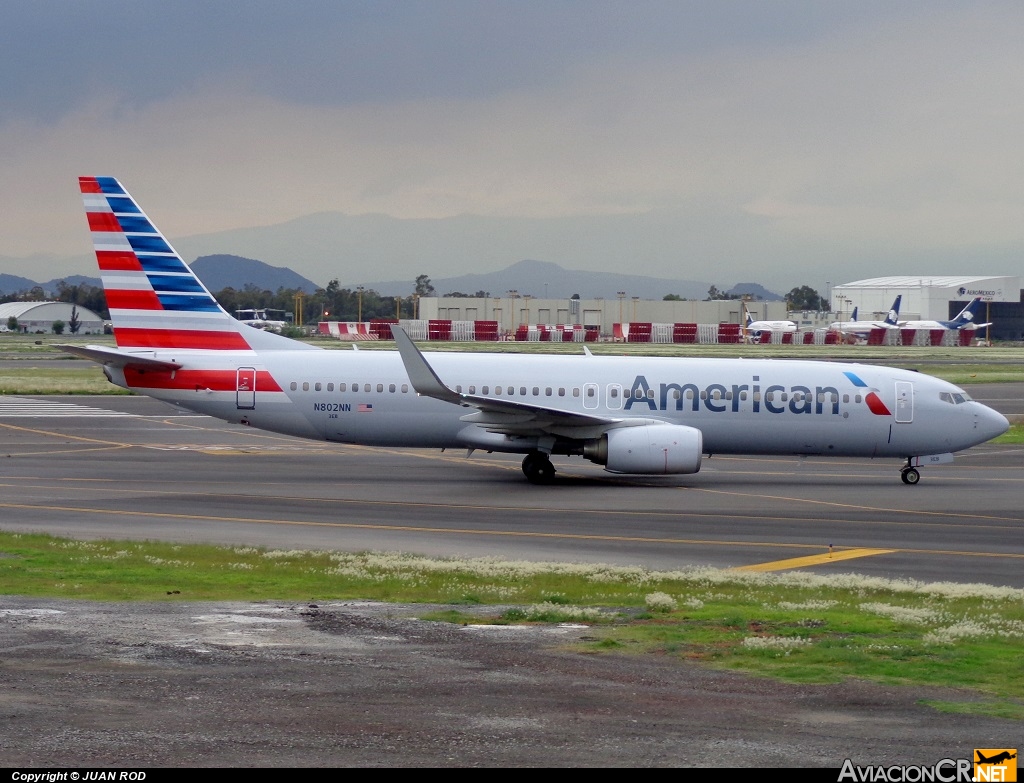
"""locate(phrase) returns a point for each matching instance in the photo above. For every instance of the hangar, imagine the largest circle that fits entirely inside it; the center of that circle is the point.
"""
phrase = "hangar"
(38, 317)
(938, 297)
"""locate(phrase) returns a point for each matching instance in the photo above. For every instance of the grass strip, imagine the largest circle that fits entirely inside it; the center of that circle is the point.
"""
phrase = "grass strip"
(795, 626)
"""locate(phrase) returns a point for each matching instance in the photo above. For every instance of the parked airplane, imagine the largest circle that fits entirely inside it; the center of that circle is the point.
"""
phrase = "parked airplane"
(755, 328)
(863, 328)
(630, 414)
(262, 318)
(964, 319)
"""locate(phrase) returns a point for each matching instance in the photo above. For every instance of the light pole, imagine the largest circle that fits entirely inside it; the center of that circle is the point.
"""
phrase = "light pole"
(635, 300)
(621, 295)
(513, 294)
(359, 291)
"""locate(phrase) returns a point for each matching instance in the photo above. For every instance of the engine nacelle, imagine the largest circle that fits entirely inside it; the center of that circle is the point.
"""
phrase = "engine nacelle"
(651, 448)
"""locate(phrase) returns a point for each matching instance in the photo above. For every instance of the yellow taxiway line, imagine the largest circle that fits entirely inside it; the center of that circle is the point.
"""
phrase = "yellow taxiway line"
(810, 560)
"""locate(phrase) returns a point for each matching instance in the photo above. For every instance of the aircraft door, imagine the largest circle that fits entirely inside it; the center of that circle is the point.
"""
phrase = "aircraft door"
(590, 395)
(904, 402)
(245, 388)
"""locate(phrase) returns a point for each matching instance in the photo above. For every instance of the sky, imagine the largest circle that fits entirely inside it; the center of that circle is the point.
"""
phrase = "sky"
(780, 142)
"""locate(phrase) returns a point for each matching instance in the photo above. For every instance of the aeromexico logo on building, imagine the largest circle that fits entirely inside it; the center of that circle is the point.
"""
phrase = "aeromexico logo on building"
(985, 292)
(772, 398)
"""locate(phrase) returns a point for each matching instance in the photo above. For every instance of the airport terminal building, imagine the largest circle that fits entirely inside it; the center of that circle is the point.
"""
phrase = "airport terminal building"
(939, 298)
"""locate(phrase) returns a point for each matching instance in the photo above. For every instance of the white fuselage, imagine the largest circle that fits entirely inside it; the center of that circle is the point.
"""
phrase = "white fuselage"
(741, 406)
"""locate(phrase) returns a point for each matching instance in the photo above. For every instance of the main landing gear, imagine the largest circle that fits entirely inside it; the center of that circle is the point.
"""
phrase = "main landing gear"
(909, 475)
(537, 468)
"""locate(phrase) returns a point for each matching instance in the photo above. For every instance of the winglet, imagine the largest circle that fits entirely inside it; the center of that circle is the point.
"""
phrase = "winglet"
(424, 379)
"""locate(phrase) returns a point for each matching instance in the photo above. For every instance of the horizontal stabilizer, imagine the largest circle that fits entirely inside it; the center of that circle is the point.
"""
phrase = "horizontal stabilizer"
(117, 358)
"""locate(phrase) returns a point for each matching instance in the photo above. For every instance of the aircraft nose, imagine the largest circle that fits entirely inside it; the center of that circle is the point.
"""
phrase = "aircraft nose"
(991, 423)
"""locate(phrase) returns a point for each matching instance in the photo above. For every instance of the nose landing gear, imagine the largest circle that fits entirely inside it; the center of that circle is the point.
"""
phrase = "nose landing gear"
(910, 475)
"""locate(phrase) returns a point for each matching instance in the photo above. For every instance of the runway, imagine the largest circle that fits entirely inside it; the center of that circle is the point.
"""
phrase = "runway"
(131, 467)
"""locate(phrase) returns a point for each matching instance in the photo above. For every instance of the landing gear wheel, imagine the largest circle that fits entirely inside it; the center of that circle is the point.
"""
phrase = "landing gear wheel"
(538, 468)
(910, 475)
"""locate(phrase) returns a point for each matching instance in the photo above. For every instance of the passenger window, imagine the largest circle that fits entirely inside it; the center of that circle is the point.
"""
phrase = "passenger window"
(547, 391)
(576, 392)
(342, 387)
(405, 388)
(294, 386)
(613, 393)
(472, 389)
(497, 391)
(561, 391)
(318, 387)
(484, 389)
(391, 388)
(380, 387)
(536, 391)
(590, 391)
(522, 391)
(305, 386)
(366, 387)
(330, 387)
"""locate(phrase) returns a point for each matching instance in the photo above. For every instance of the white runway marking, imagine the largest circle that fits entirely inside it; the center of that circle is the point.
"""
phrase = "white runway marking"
(24, 407)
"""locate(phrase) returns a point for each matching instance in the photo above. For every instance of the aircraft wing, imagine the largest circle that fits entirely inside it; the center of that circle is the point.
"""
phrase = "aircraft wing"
(511, 417)
(115, 357)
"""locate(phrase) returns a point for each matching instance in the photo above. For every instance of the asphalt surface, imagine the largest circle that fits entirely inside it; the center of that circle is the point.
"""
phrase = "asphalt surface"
(362, 684)
(131, 467)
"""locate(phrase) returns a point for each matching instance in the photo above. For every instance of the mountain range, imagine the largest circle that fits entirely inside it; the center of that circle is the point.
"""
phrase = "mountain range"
(541, 279)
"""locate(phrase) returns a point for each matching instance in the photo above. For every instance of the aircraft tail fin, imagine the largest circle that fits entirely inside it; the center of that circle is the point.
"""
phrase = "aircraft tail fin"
(893, 318)
(968, 314)
(154, 298)
(853, 315)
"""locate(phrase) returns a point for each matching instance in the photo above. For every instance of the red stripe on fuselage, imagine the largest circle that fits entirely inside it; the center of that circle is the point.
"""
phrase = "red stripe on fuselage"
(133, 300)
(196, 380)
(117, 261)
(875, 404)
(103, 221)
(89, 185)
(179, 338)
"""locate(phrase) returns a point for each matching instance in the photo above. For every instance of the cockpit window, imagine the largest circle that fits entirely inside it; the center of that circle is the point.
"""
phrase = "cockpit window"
(954, 398)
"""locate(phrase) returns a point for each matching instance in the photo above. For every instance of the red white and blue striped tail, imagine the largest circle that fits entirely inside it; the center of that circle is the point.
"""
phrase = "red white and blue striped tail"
(155, 300)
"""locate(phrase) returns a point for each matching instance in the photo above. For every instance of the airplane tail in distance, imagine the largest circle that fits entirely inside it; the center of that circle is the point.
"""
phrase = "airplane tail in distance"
(968, 314)
(154, 298)
(893, 318)
(853, 315)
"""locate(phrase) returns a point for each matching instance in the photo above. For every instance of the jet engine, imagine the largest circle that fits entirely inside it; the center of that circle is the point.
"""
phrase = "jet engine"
(651, 448)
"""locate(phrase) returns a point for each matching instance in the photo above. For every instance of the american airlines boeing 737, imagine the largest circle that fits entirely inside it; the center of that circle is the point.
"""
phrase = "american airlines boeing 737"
(634, 415)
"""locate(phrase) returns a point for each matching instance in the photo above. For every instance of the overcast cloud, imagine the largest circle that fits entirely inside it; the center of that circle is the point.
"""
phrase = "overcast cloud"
(853, 139)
